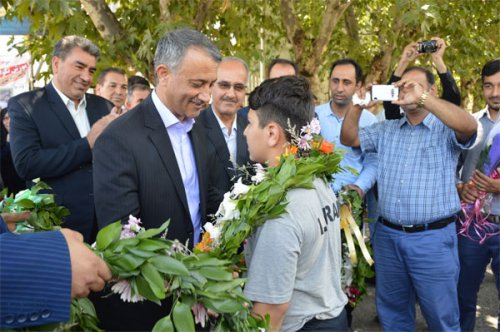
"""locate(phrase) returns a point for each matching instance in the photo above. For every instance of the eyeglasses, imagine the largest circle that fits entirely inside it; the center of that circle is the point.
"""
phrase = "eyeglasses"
(238, 87)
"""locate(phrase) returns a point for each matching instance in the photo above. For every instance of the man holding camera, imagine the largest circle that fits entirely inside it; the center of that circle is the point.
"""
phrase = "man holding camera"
(415, 243)
(436, 47)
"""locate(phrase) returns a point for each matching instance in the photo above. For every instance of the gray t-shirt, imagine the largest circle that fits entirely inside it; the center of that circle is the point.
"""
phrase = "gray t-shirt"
(296, 258)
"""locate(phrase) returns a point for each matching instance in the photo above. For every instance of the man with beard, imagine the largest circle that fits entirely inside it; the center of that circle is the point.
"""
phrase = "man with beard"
(415, 243)
(224, 126)
(53, 130)
(153, 163)
(346, 78)
(475, 256)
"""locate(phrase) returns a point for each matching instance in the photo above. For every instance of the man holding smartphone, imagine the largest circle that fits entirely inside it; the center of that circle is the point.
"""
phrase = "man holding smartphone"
(411, 52)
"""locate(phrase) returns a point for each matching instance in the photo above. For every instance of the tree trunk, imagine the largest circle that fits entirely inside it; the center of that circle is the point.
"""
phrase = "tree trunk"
(202, 13)
(164, 10)
(104, 20)
(309, 59)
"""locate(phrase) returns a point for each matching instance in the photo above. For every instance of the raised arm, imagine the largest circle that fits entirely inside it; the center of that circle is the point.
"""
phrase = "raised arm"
(349, 133)
(456, 118)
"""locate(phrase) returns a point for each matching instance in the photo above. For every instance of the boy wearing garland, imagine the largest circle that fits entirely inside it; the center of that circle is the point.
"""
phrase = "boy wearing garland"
(293, 261)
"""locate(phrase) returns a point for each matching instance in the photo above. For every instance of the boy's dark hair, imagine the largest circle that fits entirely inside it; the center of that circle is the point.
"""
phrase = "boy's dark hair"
(286, 100)
(491, 68)
(348, 61)
(282, 62)
(428, 74)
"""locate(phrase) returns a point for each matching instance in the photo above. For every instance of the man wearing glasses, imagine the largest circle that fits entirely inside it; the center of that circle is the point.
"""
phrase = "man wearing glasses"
(223, 125)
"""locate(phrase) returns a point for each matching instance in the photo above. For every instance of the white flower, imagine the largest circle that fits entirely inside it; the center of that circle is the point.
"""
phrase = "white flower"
(227, 209)
(260, 174)
(214, 230)
(239, 189)
(123, 288)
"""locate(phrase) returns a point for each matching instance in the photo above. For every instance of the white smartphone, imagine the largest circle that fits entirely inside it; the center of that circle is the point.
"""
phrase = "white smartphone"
(385, 92)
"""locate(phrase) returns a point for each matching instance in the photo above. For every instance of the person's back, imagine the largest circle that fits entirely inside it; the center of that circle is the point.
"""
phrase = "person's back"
(302, 247)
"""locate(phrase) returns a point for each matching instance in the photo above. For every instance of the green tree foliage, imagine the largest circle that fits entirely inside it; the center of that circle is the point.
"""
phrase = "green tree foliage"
(314, 33)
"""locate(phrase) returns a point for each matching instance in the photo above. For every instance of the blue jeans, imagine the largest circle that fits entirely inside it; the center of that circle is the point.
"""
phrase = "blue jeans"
(410, 265)
(337, 324)
(474, 258)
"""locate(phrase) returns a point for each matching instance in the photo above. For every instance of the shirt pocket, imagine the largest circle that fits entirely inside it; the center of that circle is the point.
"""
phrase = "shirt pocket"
(433, 157)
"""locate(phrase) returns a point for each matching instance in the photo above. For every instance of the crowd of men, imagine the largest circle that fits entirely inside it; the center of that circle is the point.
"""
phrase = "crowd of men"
(173, 151)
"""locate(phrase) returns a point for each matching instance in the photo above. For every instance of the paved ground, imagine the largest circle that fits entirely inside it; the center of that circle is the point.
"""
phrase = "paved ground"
(487, 312)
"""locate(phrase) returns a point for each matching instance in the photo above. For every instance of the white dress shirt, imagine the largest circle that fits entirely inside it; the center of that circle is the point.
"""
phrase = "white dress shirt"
(79, 113)
(230, 138)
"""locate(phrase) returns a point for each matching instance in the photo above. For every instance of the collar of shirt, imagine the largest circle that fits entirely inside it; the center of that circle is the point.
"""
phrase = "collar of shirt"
(428, 121)
(486, 112)
(168, 118)
(70, 105)
(223, 126)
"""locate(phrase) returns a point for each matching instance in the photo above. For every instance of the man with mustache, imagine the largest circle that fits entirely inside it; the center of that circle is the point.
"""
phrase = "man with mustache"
(112, 85)
(153, 162)
(53, 130)
(225, 126)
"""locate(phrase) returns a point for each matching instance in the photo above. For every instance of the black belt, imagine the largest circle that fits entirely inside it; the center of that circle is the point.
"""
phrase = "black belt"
(420, 227)
(493, 219)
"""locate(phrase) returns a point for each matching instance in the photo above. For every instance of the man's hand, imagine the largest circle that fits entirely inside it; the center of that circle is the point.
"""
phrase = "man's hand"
(409, 55)
(101, 124)
(437, 57)
(468, 192)
(88, 272)
(11, 219)
(485, 183)
(356, 189)
(410, 92)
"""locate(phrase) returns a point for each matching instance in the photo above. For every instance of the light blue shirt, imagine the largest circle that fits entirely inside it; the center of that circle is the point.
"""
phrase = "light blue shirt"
(416, 169)
(230, 138)
(364, 164)
(184, 154)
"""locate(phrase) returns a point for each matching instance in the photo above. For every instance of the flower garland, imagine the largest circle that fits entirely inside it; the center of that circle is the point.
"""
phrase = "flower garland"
(474, 215)
(147, 266)
(247, 207)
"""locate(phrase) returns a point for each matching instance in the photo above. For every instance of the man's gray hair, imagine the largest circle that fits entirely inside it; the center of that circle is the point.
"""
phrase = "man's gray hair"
(66, 44)
(172, 48)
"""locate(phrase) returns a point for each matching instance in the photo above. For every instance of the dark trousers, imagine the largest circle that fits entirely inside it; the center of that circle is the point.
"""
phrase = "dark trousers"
(337, 324)
(474, 258)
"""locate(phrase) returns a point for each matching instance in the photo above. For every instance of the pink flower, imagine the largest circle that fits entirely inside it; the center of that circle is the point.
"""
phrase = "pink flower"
(132, 228)
(123, 288)
(200, 314)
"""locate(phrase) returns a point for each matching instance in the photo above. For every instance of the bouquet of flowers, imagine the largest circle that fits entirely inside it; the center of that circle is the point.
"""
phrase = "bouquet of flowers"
(148, 267)
(475, 214)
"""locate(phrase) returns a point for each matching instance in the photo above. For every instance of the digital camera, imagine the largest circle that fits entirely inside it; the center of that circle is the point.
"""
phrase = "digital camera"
(427, 46)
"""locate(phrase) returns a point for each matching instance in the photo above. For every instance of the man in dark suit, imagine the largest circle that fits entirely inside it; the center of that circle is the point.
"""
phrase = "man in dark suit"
(41, 272)
(53, 130)
(152, 162)
(224, 126)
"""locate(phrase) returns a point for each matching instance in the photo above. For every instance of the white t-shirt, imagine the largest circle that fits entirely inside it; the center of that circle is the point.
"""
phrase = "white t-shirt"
(296, 258)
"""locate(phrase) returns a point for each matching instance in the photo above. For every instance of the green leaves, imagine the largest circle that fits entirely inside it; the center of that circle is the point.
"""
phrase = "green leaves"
(108, 235)
(169, 265)
(164, 325)
(183, 319)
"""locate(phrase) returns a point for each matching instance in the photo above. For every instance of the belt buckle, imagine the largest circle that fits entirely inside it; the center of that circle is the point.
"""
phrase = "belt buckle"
(407, 228)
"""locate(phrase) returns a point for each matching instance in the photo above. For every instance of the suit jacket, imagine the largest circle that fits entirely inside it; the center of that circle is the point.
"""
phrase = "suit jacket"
(45, 143)
(35, 279)
(223, 175)
(136, 172)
